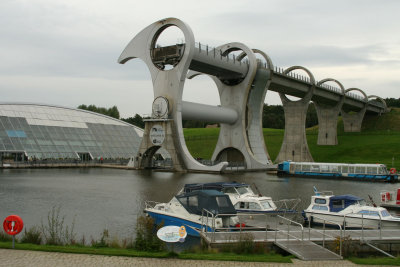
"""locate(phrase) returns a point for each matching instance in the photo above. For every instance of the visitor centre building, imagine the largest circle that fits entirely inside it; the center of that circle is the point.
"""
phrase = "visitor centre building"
(37, 132)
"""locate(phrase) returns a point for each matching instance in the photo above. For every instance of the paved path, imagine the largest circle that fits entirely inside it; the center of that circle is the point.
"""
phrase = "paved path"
(20, 258)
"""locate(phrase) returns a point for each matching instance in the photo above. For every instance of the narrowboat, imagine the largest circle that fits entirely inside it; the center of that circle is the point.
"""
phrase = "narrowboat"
(188, 209)
(360, 172)
(349, 211)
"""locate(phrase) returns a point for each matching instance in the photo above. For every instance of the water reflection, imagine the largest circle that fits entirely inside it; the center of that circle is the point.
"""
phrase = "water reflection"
(112, 199)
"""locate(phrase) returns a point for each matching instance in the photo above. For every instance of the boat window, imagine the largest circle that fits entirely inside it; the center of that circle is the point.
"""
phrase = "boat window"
(305, 168)
(192, 201)
(334, 168)
(324, 168)
(254, 206)
(318, 207)
(338, 204)
(371, 170)
(320, 201)
(243, 190)
(385, 213)
(369, 212)
(382, 170)
(345, 169)
(292, 167)
(240, 205)
(351, 169)
(315, 168)
(265, 204)
(298, 167)
(222, 201)
(229, 190)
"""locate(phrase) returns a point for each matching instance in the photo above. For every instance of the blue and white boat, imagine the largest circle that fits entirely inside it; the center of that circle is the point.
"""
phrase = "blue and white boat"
(361, 172)
(347, 210)
(188, 209)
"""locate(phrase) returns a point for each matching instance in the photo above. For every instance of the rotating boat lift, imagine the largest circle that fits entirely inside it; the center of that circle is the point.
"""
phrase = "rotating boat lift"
(242, 84)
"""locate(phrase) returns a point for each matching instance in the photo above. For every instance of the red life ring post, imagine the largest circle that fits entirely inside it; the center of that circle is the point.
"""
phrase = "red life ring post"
(13, 225)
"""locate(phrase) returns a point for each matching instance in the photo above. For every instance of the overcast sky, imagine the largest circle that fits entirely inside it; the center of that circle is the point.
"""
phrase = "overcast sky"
(65, 52)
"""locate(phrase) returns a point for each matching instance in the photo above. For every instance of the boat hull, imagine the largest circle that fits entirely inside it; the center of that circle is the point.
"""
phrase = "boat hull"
(356, 177)
(192, 228)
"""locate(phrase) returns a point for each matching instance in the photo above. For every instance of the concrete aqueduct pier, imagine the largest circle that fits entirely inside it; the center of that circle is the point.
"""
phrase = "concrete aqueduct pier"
(242, 83)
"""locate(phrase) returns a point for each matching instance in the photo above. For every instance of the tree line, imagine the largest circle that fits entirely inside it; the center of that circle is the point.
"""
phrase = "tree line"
(273, 115)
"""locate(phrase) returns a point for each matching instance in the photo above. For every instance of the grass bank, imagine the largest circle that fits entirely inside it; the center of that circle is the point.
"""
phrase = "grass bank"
(107, 251)
(378, 142)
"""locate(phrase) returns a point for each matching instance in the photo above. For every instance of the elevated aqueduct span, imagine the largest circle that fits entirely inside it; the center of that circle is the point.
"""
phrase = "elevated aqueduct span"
(242, 83)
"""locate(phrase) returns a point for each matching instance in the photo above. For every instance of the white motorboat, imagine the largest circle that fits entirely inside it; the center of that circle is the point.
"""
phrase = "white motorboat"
(195, 210)
(347, 210)
(244, 199)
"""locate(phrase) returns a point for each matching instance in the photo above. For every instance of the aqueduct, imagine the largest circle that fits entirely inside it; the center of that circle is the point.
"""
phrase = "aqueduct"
(242, 83)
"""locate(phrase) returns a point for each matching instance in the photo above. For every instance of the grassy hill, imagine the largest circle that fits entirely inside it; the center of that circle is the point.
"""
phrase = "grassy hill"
(378, 142)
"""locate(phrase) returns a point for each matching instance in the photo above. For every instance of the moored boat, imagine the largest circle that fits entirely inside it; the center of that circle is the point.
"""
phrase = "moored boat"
(360, 172)
(347, 210)
(390, 199)
(244, 199)
(192, 210)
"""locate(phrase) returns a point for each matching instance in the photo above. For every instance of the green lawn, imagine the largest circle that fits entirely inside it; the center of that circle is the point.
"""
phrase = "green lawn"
(369, 146)
(272, 257)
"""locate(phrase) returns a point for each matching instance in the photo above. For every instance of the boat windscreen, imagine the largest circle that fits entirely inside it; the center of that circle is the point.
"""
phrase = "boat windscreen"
(219, 186)
(211, 200)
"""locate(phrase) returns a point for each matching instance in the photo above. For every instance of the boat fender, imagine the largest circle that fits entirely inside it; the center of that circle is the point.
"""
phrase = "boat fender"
(393, 171)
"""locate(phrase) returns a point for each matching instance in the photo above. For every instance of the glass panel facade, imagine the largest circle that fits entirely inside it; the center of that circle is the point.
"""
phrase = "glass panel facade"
(57, 132)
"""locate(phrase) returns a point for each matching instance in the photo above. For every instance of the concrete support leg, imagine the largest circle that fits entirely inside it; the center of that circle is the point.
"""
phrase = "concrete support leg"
(294, 146)
(327, 123)
(149, 146)
(353, 122)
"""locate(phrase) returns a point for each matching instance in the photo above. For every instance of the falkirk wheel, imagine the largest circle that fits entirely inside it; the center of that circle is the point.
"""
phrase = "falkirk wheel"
(242, 84)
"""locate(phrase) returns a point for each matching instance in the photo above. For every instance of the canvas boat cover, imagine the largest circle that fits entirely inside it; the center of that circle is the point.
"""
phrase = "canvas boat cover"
(211, 200)
(338, 203)
(211, 186)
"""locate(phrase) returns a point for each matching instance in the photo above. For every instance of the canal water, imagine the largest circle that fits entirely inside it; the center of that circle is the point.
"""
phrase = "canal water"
(112, 199)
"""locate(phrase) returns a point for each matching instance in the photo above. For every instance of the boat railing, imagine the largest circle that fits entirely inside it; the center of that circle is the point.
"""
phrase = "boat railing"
(324, 233)
(380, 226)
(289, 223)
(208, 222)
(287, 204)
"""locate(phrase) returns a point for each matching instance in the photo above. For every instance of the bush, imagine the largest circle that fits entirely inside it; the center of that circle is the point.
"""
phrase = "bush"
(146, 237)
(5, 237)
(32, 236)
(55, 233)
(102, 243)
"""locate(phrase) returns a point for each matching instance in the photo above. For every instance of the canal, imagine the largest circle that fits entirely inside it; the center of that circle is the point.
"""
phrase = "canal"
(112, 199)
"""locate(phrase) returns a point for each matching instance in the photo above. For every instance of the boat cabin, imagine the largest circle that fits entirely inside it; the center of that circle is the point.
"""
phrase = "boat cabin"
(339, 168)
(332, 203)
(214, 201)
(227, 188)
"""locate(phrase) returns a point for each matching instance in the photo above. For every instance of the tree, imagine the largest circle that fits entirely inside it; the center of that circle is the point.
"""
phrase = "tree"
(137, 120)
(112, 112)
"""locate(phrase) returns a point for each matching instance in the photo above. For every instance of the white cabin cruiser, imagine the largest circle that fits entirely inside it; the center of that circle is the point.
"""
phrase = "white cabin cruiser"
(187, 209)
(244, 199)
(349, 211)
